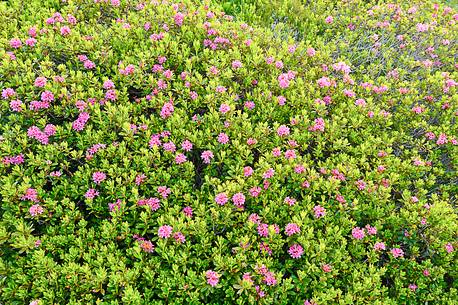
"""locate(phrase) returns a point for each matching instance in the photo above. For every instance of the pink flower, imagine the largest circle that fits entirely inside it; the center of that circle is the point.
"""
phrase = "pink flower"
(361, 185)
(397, 252)
(263, 230)
(296, 251)
(169, 146)
(111, 95)
(221, 198)
(186, 145)
(108, 84)
(8, 92)
(223, 138)
(371, 230)
(283, 80)
(179, 237)
(47, 96)
(178, 18)
(329, 19)
(88, 64)
(247, 171)
(251, 141)
(254, 218)
(187, 211)
(167, 110)
(358, 233)
(165, 231)
(91, 194)
(65, 30)
(98, 177)
(311, 51)
(283, 131)
(379, 246)
(147, 246)
(268, 173)
(15, 43)
(319, 211)
(326, 268)
(442, 139)
(180, 158)
(449, 247)
(290, 154)
(324, 82)
(238, 199)
(224, 108)
(290, 201)
(269, 278)
(276, 152)
(16, 105)
(318, 125)
(207, 155)
(236, 64)
(291, 229)
(40, 82)
(164, 191)
(413, 287)
(30, 194)
(281, 100)
(255, 191)
(35, 210)
(212, 278)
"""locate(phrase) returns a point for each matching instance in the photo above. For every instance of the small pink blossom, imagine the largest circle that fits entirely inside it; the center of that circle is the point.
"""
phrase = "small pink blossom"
(379, 246)
(206, 156)
(296, 251)
(238, 199)
(319, 211)
(291, 229)
(358, 233)
(397, 252)
(35, 210)
(449, 247)
(212, 278)
(221, 198)
(91, 194)
(165, 231)
(98, 177)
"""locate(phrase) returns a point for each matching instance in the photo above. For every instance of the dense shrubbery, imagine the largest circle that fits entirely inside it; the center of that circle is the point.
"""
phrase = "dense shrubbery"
(160, 153)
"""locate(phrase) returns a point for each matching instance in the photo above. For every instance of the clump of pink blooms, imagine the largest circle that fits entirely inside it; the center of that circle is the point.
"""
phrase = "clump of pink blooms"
(212, 278)
(295, 251)
(164, 231)
(98, 177)
(36, 210)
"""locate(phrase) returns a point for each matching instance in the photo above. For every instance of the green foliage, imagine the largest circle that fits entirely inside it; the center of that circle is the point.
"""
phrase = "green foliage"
(323, 166)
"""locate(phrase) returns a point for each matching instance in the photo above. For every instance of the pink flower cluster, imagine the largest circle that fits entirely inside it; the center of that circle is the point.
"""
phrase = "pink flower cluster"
(15, 160)
(153, 203)
(212, 278)
(81, 121)
(41, 136)
(30, 194)
(165, 231)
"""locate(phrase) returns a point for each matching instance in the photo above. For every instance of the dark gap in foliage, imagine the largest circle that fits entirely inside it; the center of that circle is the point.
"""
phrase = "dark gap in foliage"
(256, 154)
(200, 111)
(449, 280)
(387, 281)
(198, 167)
(134, 93)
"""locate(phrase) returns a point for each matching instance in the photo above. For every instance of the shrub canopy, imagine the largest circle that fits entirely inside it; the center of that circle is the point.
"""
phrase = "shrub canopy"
(167, 153)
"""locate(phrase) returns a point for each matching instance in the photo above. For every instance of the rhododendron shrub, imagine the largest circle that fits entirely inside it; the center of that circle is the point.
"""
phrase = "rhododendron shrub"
(167, 153)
